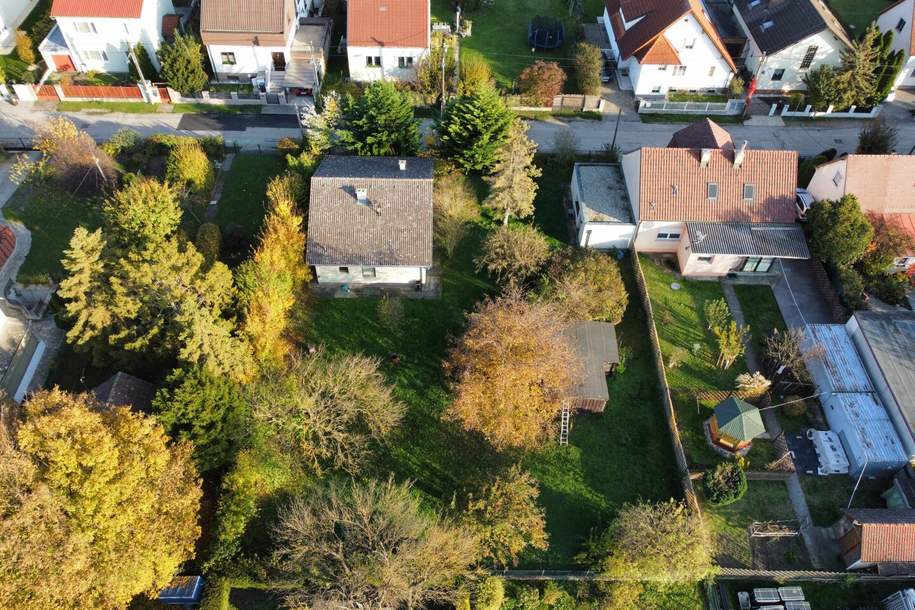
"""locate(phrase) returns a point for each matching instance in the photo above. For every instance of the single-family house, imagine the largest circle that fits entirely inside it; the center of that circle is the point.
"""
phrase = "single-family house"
(899, 18)
(125, 390)
(850, 402)
(878, 538)
(282, 43)
(600, 206)
(598, 354)
(97, 35)
(716, 207)
(786, 39)
(370, 221)
(886, 343)
(386, 39)
(12, 13)
(666, 45)
(883, 186)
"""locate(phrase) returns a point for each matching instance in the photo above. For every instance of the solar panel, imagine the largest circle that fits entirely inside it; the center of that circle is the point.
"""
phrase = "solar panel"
(764, 596)
(791, 594)
(797, 606)
(182, 590)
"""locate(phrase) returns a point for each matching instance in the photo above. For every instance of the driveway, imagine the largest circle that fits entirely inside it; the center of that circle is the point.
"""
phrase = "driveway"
(800, 298)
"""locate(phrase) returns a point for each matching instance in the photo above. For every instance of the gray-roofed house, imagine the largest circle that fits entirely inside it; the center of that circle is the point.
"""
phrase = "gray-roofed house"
(125, 390)
(886, 342)
(370, 221)
(598, 354)
(600, 206)
(786, 39)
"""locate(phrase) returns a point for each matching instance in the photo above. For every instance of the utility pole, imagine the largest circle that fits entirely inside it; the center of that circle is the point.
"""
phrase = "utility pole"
(147, 86)
(444, 51)
(616, 129)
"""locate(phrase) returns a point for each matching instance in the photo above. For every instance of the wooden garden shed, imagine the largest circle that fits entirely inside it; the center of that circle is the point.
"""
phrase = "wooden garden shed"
(598, 355)
(735, 424)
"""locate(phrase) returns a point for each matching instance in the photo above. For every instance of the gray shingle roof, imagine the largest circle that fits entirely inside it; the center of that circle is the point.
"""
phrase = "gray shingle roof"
(595, 345)
(744, 239)
(394, 228)
(891, 338)
(122, 389)
(791, 22)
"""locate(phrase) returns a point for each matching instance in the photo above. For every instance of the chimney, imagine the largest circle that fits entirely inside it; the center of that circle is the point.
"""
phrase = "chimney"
(362, 196)
(402, 164)
(739, 155)
(706, 157)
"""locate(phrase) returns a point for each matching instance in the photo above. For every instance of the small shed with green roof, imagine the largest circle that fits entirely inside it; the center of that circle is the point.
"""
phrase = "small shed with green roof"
(735, 424)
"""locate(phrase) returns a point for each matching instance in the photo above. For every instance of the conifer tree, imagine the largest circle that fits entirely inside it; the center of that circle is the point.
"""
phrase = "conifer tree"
(473, 129)
(182, 64)
(512, 185)
(379, 122)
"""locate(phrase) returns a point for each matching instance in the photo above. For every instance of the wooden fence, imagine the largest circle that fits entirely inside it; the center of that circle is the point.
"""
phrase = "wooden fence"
(101, 92)
(46, 92)
(689, 491)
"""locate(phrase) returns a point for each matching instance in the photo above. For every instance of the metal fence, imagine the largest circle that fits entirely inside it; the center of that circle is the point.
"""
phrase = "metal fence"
(730, 107)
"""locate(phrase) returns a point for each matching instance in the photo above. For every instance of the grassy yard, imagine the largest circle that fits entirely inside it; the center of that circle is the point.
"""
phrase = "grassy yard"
(685, 96)
(37, 24)
(761, 312)
(828, 496)
(129, 107)
(51, 215)
(855, 14)
(827, 595)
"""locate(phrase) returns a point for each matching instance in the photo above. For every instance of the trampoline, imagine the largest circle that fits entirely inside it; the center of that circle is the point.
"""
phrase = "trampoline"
(545, 33)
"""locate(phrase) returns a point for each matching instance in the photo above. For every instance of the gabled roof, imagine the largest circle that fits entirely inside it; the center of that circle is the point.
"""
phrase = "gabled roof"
(702, 134)
(394, 227)
(654, 17)
(595, 346)
(658, 53)
(246, 17)
(388, 23)
(887, 535)
(673, 184)
(739, 419)
(122, 389)
(777, 24)
(882, 183)
(124, 9)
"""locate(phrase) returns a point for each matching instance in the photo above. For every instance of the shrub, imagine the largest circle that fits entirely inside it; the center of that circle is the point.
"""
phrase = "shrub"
(796, 101)
(214, 147)
(289, 146)
(25, 48)
(2, 76)
(724, 484)
(852, 289)
(123, 141)
(877, 138)
(475, 73)
(588, 61)
(736, 87)
(889, 287)
(188, 165)
(541, 81)
(209, 242)
(182, 64)
(795, 407)
(489, 594)
(146, 64)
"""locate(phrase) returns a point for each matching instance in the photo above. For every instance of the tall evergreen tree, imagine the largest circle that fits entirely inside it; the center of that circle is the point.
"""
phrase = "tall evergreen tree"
(379, 122)
(889, 63)
(182, 64)
(512, 185)
(143, 213)
(856, 81)
(473, 128)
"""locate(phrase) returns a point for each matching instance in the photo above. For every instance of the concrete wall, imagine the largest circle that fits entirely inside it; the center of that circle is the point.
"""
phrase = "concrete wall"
(389, 69)
(647, 238)
(383, 275)
(692, 266)
(631, 165)
(902, 39)
(605, 235)
(823, 184)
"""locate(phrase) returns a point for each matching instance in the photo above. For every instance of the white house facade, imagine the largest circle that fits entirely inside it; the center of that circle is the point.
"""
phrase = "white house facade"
(600, 207)
(90, 37)
(786, 41)
(669, 47)
(12, 13)
(898, 18)
(386, 40)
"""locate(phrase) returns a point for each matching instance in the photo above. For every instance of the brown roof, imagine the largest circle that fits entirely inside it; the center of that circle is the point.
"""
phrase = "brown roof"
(122, 389)
(265, 22)
(887, 535)
(656, 17)
(394, 227)
(394, 23)
(702, 134)
(130, 9)
(882, 183)
(674, 185)
(658, 53)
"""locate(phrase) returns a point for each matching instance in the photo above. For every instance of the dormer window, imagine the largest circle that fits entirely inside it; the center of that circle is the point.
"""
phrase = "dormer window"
(711, 190)
(837, 179)
(767, 25)
(749, 192)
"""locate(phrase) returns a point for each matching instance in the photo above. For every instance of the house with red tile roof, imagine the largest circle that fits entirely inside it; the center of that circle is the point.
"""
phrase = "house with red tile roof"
(900, 19)
(718, 208)
(878, 538)
(386, 39)
(666, 45)
(95, 35)
(884, 186)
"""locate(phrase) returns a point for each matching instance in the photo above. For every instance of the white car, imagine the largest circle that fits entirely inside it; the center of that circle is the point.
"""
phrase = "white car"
(802, 201)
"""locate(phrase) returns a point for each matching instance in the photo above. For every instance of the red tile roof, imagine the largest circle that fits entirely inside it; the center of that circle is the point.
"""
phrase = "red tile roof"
(702, 134)
(656, 17)
(882, 183)
(886, 535)
(7, 244)
(674, 185)
(129, 9)
(658, 53)
(392, 23)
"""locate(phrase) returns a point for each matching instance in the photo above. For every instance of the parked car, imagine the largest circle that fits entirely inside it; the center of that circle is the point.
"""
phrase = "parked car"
(802, 201)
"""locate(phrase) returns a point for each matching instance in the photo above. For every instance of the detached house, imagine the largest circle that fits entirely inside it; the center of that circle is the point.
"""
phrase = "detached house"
(96, 35)
(788, 38)
(878, 538)
(666, 45)
(279, 42)
(370, 221)
(883, 185)
(899, 18)
(717, 207)
(386, 39)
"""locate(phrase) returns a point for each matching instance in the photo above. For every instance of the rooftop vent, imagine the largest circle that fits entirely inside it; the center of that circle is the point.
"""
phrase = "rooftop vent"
(767, 24)
(739, 155)
(706, 157)
(402, 164)
(362, 196)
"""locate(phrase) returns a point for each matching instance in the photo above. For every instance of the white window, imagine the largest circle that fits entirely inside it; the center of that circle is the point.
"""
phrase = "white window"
(679, 70)
(749, 192)
(228, 59)
(373, 61)
(656, 90)
(900, 25)
(84, 27)
(368, 272)
(837, 179)
(405, 62)
(668, 236)
(711, 71)
(662, 68)
(706, 259)
(711, 190)
(95, 55)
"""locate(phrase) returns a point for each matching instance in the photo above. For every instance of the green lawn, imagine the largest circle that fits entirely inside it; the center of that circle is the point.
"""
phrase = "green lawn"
(828, 496)
(685, 96)
(241, 207)
(37, 24)
(51, 215)
(553, 184)
(129, 107)
(216, 108)
(761, 312)
(691, 419)
(855, 14)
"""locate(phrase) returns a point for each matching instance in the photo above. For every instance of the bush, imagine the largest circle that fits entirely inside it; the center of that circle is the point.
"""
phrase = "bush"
(736, 87)
(214, 147)
(724, 484)
(182, 64)
(489, 594)
(289, 146)
(146, 64)
(588, 61)
(541, 81)
(209, 242)
(475, 74)
(188, 165)
(25, 48)
(852, 289)
(122, 142)
(889, 287)
(795, 407)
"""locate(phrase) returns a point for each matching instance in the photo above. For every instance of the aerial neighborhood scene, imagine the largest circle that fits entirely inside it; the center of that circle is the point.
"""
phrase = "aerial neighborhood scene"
(457, 304)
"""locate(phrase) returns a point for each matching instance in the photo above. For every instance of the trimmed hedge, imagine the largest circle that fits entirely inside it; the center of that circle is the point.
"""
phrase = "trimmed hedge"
(724, 484)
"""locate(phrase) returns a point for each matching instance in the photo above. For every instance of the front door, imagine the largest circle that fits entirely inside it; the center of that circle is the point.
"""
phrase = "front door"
(279, 61)
(63, 63)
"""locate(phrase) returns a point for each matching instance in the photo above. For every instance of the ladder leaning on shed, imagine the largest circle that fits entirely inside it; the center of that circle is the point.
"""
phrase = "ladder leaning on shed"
(564, 423)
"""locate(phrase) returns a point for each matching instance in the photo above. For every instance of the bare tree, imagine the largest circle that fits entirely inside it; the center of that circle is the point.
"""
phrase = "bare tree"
(456, 207)
(786, 350)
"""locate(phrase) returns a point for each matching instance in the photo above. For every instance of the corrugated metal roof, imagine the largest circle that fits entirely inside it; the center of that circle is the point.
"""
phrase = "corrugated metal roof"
(394, 226)
(764, 239)
(838, 359)
(891, 338)
(595, 345)
(870, 428)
